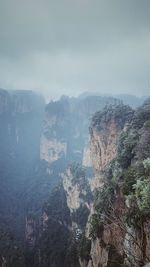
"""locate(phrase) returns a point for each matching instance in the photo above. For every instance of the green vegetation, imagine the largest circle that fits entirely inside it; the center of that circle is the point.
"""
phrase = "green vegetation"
(142, 115)
(78, 248)
(126, 147)
(84, 248)
(96, 226)
(137, 186)
(10, 254)
(58, 108)
(114, 258)
(72, 256)
(80, 216)
(119, 112)
(124, 199)
(26, 181)
(142, 194)
(78, 173)
(146, 164)
(130, 178)
(80, 177)
(53, 241)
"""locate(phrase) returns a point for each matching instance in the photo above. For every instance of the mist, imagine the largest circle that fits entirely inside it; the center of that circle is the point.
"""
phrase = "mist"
(68, 47)
(74, 133)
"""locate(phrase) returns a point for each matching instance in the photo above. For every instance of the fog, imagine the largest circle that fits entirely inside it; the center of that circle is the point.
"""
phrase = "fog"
(68, 47)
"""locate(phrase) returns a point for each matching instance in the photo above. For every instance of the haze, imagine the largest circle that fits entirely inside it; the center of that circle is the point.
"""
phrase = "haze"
(68, 47)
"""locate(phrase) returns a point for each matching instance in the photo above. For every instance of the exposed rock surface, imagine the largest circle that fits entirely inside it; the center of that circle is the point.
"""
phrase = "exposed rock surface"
(72, 191)
(65, 129)
(104, 146)
(87, 162)
(119, 243)
(105, 130)
(52, 150)
(76, 189)
(32, 162)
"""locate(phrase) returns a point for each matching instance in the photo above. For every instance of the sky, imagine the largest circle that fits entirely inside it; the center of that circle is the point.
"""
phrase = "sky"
(70, 46)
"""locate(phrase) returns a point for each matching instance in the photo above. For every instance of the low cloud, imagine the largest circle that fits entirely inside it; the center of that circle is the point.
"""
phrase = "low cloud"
(67, 47)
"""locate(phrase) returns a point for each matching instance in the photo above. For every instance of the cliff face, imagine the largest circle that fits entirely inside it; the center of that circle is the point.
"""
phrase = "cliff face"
(106, 245)
(78, 194)
(98, 215)
(76, 186)
(101, 219)
(65, 130)
(64, 220)
(4, 101)
(104, 132)
(119, 221)
(34, 156)
(54, 137)
(104, 145)
(73, 191)
(20, 101)
(21, 115)
(52, 150)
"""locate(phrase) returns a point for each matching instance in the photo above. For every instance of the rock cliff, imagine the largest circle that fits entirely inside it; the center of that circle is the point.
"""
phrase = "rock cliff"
(55, 132)
(65, 129)
(85, 200)
(21, 115)
(118, 226)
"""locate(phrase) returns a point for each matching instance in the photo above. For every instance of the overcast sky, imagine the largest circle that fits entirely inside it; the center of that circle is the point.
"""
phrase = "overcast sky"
(70, 46)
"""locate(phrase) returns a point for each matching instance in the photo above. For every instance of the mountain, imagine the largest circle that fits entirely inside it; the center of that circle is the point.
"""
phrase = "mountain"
(108, 216)
(131, 100)
(74, 181)
(36, 144)
(65, 133)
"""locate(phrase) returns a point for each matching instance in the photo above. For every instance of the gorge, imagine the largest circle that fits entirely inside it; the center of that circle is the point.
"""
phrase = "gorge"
(75, 181)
